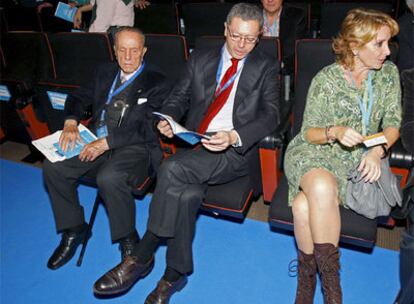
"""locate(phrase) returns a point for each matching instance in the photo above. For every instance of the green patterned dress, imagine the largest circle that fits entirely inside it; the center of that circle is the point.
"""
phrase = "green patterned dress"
(332, 101)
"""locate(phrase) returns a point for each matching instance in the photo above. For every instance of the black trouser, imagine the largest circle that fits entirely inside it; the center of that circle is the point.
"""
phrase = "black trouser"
(407, 263)
(181, 185)
(113, 169)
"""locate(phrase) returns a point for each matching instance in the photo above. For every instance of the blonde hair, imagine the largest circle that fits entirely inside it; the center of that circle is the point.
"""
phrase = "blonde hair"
(359, 27)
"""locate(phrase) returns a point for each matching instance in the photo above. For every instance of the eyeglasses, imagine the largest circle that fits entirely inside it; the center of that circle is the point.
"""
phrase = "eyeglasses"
(247, 39)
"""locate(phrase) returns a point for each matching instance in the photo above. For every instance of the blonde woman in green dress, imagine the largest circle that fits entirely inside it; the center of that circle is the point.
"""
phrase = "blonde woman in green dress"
(356, 96)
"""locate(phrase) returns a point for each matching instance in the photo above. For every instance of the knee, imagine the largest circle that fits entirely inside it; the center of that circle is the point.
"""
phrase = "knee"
(169, 167)
(52, 170)
(109, 180)
(320, 184)
(300, 209)
(193, 194)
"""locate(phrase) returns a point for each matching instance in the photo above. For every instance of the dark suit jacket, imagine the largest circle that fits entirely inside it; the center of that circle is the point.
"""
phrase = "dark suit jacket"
(256, 105)
(292, 27)
(407, 126)
(138, 123)
(406, 42)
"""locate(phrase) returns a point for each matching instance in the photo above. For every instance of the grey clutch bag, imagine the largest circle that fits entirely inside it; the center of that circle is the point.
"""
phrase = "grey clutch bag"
(373, 199)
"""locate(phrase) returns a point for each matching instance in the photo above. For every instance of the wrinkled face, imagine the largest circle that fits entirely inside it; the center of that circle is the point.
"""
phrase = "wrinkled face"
(241, 36)
(272, 6)
(373, 54)
(129, 51)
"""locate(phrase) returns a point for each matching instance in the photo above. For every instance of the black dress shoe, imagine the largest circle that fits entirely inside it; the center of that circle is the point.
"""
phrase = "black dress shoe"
(127, 245)
(122, 277)
(66, 249)
(164, 290)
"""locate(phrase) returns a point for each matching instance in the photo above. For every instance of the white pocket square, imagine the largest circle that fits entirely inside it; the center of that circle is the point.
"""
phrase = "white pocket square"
(141, 100)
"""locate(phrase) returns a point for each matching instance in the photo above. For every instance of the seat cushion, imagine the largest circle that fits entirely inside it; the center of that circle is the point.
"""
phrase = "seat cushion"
(232, 198)
(355, 229)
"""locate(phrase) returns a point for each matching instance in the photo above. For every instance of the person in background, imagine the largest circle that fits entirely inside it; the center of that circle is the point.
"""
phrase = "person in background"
(108, 15)
(405, 38)
(123, 96)
(287, 23)
(231, 93)
(358, 95)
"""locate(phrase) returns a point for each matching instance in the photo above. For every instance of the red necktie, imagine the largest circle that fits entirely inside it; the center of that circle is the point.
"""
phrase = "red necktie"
(220, 97)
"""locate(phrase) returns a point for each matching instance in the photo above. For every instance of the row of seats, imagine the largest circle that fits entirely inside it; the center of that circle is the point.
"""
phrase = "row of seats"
(200, 19)
(54, 67)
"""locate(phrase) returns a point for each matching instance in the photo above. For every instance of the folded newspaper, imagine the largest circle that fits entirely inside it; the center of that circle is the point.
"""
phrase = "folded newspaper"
(49, 145)
(189, 136)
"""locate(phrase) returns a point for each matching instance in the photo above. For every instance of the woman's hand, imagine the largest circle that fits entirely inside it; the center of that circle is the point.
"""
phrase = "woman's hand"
(347, 136)
(370, 166)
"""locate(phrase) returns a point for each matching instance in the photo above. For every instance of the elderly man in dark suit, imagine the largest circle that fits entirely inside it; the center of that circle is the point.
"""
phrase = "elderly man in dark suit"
(123, 96)
(287, 23)
(231, 93)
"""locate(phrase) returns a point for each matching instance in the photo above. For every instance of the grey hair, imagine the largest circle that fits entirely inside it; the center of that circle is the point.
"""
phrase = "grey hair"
(410, 4)
(129, 29)
(245, 12)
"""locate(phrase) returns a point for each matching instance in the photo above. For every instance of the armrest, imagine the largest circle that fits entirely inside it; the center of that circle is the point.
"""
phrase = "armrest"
(401, 158)
(275, 140)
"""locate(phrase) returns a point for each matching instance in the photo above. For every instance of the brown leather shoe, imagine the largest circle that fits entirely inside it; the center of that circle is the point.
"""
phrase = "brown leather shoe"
(164, 290)
(120, 278)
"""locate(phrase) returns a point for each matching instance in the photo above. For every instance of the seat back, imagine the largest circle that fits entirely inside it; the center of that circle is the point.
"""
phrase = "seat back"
(76, 55)
(27, 57)
(157, 45)
(203, 19)
(158, 18)
(333, 13)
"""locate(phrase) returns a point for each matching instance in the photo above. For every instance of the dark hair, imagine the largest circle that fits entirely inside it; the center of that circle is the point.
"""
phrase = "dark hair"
(246, 12)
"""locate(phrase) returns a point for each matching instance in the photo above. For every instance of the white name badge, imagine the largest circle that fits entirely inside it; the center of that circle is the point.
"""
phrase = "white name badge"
(4, 93)
(57, 99)
(374, 140)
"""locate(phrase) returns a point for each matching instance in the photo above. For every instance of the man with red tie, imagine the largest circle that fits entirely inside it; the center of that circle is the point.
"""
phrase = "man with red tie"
(232, 94)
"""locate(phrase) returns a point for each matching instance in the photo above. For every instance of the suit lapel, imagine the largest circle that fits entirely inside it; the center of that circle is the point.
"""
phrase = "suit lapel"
(247, 79)
(210, 72)
(283, 24)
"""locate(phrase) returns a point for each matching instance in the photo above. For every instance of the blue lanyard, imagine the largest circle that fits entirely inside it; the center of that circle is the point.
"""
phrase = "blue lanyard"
(113, 92)
(220, 88)
(365, 107)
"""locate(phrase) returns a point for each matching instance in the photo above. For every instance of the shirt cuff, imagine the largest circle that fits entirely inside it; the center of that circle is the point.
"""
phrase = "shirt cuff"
(238, 142)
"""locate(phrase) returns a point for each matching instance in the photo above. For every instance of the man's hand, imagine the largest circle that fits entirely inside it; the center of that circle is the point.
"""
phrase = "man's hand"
(165, 129)
(347, 136)
(77, 19)
(141, 4)
(370, 166)
(91, 151)
(220, 141)
(70, 135)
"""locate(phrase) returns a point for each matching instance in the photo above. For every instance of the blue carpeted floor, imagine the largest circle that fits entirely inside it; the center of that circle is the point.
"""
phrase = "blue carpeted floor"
(234, 263)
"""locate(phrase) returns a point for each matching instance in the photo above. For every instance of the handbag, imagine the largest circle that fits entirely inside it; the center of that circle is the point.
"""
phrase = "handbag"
(373, 199)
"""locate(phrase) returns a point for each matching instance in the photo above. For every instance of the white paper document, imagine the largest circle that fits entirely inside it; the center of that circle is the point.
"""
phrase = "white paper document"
(189, 136)
(49, 145)
(375, 140)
